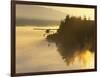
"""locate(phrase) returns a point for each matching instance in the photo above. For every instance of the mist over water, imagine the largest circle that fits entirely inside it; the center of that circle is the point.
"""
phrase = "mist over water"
(35, 54)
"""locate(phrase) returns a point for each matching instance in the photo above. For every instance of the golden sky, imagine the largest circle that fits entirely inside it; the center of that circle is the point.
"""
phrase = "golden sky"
(51, 12)
(74, 11)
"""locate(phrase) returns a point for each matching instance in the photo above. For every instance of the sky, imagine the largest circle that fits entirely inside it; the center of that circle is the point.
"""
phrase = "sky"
(51, 12)
(73, 11)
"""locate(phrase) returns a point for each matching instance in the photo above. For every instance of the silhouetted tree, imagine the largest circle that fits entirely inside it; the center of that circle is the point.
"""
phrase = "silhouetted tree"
(74, 34)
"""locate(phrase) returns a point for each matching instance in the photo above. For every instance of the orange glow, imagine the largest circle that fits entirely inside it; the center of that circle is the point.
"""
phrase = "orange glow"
(86, 58)
(83, 59)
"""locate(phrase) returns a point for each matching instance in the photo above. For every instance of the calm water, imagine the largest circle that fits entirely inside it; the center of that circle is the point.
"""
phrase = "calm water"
(35, 54)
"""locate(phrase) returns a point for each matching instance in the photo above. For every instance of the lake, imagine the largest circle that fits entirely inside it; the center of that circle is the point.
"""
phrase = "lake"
(35, 54)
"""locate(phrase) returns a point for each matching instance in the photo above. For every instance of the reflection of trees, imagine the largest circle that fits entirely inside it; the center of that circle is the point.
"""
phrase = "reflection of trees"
(74, 34)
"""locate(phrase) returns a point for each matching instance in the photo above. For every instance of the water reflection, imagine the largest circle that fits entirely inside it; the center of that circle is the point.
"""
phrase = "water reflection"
(35, 54)
(83, 58)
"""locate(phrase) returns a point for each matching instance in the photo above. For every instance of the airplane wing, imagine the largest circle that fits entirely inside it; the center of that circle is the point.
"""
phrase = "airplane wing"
(44, 29)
